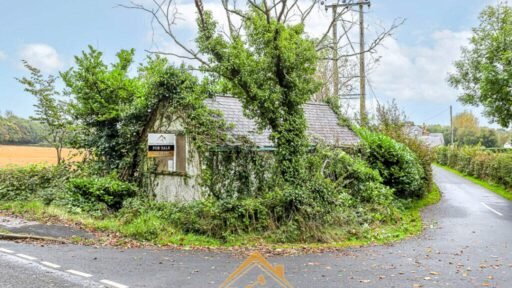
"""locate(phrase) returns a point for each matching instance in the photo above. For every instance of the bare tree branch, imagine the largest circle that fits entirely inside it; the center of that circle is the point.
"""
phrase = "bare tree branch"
(166, 17)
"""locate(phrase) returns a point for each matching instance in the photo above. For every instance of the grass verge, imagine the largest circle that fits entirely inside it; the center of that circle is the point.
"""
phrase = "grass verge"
(498, 189)
(151, 230)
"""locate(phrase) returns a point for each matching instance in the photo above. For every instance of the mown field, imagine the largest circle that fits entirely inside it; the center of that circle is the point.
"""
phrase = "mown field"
(23, 155)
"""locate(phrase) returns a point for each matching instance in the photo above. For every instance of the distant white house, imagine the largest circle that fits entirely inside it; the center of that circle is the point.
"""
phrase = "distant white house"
(414, 131)
(431, 139)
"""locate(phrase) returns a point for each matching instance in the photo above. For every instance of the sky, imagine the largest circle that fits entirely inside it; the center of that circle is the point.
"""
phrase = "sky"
(413, 67)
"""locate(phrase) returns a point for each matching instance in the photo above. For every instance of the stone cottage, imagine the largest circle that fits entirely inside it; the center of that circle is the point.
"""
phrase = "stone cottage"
(176, 179)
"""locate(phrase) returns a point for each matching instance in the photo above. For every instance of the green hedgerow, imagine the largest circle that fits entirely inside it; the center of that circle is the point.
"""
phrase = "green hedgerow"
(106, 190)
(398, 166)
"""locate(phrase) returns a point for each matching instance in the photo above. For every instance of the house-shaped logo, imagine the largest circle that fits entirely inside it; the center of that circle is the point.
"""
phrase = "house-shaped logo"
(256, 271)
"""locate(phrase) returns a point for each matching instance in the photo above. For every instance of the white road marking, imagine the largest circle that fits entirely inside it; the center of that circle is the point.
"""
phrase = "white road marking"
(26, 257)
(79, 273)
(113, 284)
(37, 269)
(50, 264)
(494, 211)
(6, 250)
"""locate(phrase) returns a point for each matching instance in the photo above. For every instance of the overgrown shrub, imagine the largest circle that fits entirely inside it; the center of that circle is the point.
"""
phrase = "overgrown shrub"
(240, 171)
(340, 196)
(398, 166)
(106, 190)
(32, 182)
(392, 122)
(480, 163)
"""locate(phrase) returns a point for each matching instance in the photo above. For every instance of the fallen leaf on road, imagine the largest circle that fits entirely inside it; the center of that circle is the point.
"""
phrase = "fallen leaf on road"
(364, 281)
(427, 278)
(434, 273)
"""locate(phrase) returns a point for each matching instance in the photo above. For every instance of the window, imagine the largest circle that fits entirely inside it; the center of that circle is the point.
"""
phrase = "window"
(181, 153)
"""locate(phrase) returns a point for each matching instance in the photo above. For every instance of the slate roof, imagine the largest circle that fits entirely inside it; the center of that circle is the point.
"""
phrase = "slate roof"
(433, 140)
(321, 120)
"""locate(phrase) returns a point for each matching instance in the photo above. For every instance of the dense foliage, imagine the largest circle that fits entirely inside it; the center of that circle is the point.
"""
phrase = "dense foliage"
(105, 190)
(270, 67)
(342, 197)
(297, 193)
(484, 72)
(392, 122)
(17, 130)
(31, 182)
(480, 163)
(396, 163)
(114, 110)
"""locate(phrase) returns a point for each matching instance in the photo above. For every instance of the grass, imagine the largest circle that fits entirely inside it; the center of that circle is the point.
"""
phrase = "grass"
(498, 189)
(149, 227)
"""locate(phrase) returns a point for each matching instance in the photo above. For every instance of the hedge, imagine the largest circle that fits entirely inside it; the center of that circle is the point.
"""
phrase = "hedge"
(486, 165)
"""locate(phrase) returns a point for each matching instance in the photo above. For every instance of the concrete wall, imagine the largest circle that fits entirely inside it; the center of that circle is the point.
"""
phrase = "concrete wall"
(175, 188)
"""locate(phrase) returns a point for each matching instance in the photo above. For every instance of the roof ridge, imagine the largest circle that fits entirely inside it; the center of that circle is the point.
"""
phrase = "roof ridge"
(307, 103)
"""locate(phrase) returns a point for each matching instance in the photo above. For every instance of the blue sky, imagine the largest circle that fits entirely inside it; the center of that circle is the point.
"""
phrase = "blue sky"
(413, 67)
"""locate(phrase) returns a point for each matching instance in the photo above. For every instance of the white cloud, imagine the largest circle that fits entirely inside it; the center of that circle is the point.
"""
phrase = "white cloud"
(419, 72)
(42, 56)
(2, 55)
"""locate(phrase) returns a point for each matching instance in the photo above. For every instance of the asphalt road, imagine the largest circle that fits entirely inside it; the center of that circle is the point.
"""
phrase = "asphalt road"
(467, 244)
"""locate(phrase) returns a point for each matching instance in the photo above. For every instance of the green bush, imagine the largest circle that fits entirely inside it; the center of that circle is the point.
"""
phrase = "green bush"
(106, 190)
(341, 194)
(398, 166)
(32, 182)
(480, 163)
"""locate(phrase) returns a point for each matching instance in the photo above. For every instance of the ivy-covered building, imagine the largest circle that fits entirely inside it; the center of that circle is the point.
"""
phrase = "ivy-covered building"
(181, 181)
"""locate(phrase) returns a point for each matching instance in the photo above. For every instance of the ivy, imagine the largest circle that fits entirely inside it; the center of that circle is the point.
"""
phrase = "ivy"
(271, 69)
(115, 111)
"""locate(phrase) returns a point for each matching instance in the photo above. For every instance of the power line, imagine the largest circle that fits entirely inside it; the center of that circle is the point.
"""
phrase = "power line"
(362, 69)
(437, 115)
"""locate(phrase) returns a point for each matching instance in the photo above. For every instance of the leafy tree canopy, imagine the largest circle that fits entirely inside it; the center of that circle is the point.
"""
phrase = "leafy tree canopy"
(270, 67)
(50, 111)
(484, 73)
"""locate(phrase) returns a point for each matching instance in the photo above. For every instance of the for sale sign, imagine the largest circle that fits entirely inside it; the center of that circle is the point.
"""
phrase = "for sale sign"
(161, 145)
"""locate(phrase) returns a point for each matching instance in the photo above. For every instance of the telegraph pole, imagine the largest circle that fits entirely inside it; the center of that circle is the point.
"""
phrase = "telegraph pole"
(362, 68)
(451, 124)
(335, 67)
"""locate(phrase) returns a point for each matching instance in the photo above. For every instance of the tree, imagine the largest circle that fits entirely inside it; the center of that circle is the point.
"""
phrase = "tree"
(488, 137)
(467, 131)
(267, 59)
(17, 130)
(484, 73)
(114, 110)
(50, 111)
